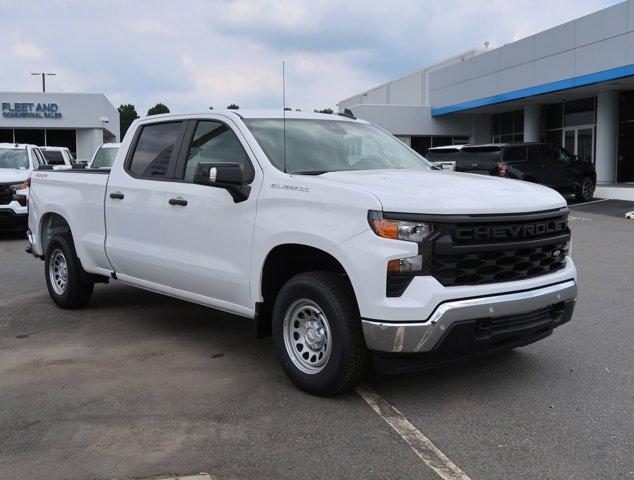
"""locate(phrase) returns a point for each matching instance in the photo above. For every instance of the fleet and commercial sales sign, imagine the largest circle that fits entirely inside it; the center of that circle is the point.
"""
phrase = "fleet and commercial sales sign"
(30, 110)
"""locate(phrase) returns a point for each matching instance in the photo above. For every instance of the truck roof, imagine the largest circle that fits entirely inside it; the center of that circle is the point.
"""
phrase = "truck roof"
(17, 146)
(246, 114)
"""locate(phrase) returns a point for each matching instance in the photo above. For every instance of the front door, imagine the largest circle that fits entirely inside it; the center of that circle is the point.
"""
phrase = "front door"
(136, 199)
(208, 235)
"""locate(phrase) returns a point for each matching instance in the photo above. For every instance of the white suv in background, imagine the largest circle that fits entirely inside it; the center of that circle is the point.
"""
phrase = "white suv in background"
(104, 156)
(17, 161)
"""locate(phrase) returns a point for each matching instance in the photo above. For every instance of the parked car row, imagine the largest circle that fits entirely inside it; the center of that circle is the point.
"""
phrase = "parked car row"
(17, 162)
(544, 163)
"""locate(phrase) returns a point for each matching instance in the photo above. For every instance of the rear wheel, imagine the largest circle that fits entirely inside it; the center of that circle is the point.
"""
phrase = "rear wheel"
(68, 285)
(585, 192)
(317, 333)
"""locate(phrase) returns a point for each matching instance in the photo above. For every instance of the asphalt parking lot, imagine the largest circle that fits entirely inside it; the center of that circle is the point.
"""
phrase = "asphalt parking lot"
(138, 385)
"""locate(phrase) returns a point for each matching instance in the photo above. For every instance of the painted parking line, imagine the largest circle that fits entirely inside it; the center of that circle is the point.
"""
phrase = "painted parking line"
(199, 476)
(591, 201)
(422, 446)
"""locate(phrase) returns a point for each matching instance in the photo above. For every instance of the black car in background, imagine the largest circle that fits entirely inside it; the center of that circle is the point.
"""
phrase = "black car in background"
(544, 163)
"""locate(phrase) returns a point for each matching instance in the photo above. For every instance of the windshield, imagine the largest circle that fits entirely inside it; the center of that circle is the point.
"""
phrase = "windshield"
(318, 146)
(104, 158)
(14, 158)
(53, 157)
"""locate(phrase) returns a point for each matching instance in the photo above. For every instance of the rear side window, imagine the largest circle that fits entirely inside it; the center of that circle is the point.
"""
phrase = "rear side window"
(515, 154)
(215, 142)
(154, 152)
(104, 158)
(53, 157)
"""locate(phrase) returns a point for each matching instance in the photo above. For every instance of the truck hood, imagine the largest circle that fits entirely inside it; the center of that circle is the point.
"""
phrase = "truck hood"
(13, 175)
(448, 192)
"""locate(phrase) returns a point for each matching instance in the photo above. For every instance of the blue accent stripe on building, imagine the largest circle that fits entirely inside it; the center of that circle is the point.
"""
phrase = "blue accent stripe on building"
(580, 81)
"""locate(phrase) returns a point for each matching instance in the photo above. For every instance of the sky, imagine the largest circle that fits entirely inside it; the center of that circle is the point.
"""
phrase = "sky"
(193, 54)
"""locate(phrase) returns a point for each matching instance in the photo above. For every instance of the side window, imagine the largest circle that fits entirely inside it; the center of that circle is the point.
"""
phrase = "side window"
(562, 154)
(533, 153)
(545, 153)
(515, 154)
(215, 142)
(154, 150)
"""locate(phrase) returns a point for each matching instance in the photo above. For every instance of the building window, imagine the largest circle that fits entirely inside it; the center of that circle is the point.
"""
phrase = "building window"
(579, 112)
(6, 135)
(32, 136)
(572, 125)
(507, 127)
(62, 138)
(625, 158)
(423, 143)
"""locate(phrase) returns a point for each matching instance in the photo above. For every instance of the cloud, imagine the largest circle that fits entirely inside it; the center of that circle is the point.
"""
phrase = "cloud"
(196, 53)
(26, 51)
(152, 27)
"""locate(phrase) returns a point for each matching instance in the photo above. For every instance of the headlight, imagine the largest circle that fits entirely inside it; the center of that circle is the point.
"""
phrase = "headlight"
(19, 192)
(399, 229)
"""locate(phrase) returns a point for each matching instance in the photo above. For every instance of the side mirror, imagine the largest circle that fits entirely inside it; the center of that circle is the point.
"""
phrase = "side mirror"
(223, 175)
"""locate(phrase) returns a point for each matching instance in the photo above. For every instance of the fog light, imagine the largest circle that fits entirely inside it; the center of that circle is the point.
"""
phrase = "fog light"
(405, 265)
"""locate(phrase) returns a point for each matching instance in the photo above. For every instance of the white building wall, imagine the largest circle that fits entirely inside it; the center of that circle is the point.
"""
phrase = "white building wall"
(88, 141)
(598, 42)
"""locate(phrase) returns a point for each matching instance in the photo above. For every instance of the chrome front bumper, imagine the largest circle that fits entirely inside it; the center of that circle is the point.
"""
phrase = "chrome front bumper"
(412, 337)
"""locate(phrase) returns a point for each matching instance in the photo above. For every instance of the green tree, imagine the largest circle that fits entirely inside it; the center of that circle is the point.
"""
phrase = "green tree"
(233, 106)
(158, 108)
(127, 115)
(325, 110)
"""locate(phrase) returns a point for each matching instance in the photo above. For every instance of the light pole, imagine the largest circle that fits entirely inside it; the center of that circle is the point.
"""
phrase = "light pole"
(43, 79)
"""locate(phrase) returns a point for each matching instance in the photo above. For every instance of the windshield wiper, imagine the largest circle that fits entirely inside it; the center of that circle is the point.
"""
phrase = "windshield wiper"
(311, 172)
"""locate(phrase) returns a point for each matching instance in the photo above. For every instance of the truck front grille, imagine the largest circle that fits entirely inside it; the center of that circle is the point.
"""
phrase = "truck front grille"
(480, 250)
(498, 266)
(5, 194)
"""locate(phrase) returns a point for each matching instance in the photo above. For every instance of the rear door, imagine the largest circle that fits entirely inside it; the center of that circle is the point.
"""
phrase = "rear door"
(208, 235)
(136, 198)
(553, 167)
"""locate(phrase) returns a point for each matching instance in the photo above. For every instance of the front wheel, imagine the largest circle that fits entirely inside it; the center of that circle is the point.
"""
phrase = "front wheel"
(585, 191)
(317, 333)
(66, 280)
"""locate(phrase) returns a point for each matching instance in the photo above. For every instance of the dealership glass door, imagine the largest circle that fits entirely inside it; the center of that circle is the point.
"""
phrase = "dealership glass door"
(580, 141)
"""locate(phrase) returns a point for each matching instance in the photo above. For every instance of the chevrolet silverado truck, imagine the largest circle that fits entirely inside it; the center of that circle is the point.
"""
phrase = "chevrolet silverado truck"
(17, 161)
(339, 240)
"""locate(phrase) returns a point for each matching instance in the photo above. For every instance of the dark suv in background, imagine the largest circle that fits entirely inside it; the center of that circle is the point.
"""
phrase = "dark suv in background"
(545, 163)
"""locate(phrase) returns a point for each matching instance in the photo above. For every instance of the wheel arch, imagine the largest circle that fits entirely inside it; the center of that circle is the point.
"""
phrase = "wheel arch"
(52, 224)
(285, 261)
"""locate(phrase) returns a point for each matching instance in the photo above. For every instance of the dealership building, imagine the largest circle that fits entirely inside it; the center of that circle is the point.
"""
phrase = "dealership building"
(79, 121)
(572, 85)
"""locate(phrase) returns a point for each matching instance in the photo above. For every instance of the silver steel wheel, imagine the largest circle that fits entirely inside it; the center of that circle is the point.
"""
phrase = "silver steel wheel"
(58, 271)
(307, 336)
(587, 189)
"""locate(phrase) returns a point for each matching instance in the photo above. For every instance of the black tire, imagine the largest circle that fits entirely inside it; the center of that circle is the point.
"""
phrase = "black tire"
(348, 355)
(77, 287)
(585, 192)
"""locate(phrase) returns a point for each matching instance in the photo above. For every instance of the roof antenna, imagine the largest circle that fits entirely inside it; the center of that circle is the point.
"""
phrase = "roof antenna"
(284, 111)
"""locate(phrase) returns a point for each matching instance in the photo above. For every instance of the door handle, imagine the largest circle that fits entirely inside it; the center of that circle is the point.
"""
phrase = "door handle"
(117, 195)
(178, 201)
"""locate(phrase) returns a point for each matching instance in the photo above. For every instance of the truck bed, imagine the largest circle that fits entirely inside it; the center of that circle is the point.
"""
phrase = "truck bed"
(78, 195)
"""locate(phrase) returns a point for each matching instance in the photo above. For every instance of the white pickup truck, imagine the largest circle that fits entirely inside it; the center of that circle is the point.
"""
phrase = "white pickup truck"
(17, 161)
(332, 234)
